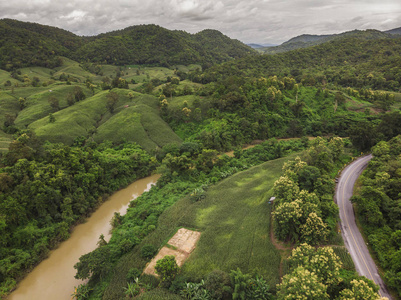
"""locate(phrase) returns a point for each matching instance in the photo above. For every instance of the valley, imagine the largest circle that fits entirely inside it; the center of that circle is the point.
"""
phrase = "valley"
(84, 117)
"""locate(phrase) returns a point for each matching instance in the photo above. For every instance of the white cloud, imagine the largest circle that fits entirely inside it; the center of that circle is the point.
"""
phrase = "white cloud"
(260, 21)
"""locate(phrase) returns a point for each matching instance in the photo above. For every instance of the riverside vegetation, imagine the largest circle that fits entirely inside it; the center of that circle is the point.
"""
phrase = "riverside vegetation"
(83, 117)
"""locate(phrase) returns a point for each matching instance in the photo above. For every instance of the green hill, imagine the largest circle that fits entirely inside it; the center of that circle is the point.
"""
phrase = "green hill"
(308, 40)
(22, 47)
(350, 61)
(24, 44)
(136, 120)
(152, 44)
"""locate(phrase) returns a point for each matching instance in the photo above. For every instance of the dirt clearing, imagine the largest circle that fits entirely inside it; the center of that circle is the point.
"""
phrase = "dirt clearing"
(180, 245)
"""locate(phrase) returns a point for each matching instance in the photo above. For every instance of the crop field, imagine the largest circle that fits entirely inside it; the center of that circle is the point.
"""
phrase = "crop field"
(234, 220)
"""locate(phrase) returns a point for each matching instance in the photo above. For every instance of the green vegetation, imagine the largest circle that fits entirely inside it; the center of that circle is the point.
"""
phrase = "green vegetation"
(84, 116)
(307, 40)
(142, 44)
(211, 251)
(378, 210)
(44, 191)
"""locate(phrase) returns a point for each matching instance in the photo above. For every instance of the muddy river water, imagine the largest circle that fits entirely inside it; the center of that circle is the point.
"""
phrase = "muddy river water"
(54, 278)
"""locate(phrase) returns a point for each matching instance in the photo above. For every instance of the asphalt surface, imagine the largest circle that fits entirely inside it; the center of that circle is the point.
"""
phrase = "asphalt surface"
(353, 240)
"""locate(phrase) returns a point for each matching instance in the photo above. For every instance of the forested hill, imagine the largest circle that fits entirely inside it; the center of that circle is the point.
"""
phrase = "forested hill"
(152, 44)
(308, 40)
(349, 62)
(24, 44)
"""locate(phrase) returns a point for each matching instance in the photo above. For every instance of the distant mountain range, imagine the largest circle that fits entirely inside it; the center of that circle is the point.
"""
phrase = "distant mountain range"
(308, 40)
(24, 44)
(258, 46)
(394, 31)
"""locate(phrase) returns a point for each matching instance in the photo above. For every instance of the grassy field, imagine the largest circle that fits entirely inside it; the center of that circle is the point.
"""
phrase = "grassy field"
(139, 123)
(5, 140)
(72, 121)
(234, 219)
(38, 105)
(135, 118)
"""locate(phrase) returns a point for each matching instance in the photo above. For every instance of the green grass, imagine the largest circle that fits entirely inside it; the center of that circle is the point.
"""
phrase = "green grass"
(5, 140)
(4, 76)
(38, 105)
(134, 119)
(161, 294)
(8, 105)
(234, 219)
(42, 73)
(140, 122)
(73, 69)
(72, 121)
(345, 257)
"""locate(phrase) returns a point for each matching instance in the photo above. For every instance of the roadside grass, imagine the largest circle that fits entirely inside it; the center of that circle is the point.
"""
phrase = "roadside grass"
(234, 219)
(345, 257)
(38, 105)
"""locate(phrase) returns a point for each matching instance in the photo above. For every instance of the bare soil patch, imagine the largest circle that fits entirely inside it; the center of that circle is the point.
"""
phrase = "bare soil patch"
(180, 245)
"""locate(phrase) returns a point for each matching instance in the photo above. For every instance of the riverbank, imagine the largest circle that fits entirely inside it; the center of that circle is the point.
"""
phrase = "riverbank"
(54, 278)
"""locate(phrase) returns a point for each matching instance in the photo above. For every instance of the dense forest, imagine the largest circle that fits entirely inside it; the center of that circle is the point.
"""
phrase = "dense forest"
(84, 116)
(25, 44)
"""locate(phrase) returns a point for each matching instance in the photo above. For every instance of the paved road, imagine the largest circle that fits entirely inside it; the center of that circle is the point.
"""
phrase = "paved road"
(353, 240)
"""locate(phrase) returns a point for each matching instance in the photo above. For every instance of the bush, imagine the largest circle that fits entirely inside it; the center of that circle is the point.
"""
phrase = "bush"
(150, 280)
(167, 268)
(133, 274)
(148, 251)
(218, 284)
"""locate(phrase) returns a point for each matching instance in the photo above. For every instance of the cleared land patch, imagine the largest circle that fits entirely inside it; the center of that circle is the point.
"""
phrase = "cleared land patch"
(184, 242)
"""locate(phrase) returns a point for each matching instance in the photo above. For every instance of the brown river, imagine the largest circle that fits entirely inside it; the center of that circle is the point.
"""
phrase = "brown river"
(53, 278)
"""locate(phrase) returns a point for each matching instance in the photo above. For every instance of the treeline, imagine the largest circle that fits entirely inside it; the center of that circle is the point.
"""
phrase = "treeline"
(304, 207)
(47, 189)
(25, 44)
(378, 208)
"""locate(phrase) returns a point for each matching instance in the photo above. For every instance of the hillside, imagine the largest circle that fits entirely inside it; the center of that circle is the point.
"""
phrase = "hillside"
(24, 44)
(308, 40)
(349, 62)
(394, 31)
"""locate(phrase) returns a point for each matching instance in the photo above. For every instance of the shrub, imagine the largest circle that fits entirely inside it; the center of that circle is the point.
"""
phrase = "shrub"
(133, 274)
(218, 284)
(167, 268)
(148, 251)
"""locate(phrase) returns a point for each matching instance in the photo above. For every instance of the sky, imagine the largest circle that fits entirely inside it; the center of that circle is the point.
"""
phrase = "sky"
(250, 21)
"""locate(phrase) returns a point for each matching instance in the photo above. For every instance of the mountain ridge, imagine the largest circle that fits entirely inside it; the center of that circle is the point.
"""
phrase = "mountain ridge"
(308, 40)
(24, 44)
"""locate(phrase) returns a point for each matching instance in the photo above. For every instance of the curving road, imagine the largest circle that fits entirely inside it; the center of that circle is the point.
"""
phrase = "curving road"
(353, 240)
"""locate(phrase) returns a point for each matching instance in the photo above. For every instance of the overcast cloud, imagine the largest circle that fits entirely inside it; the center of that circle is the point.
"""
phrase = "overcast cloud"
(258, 21)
